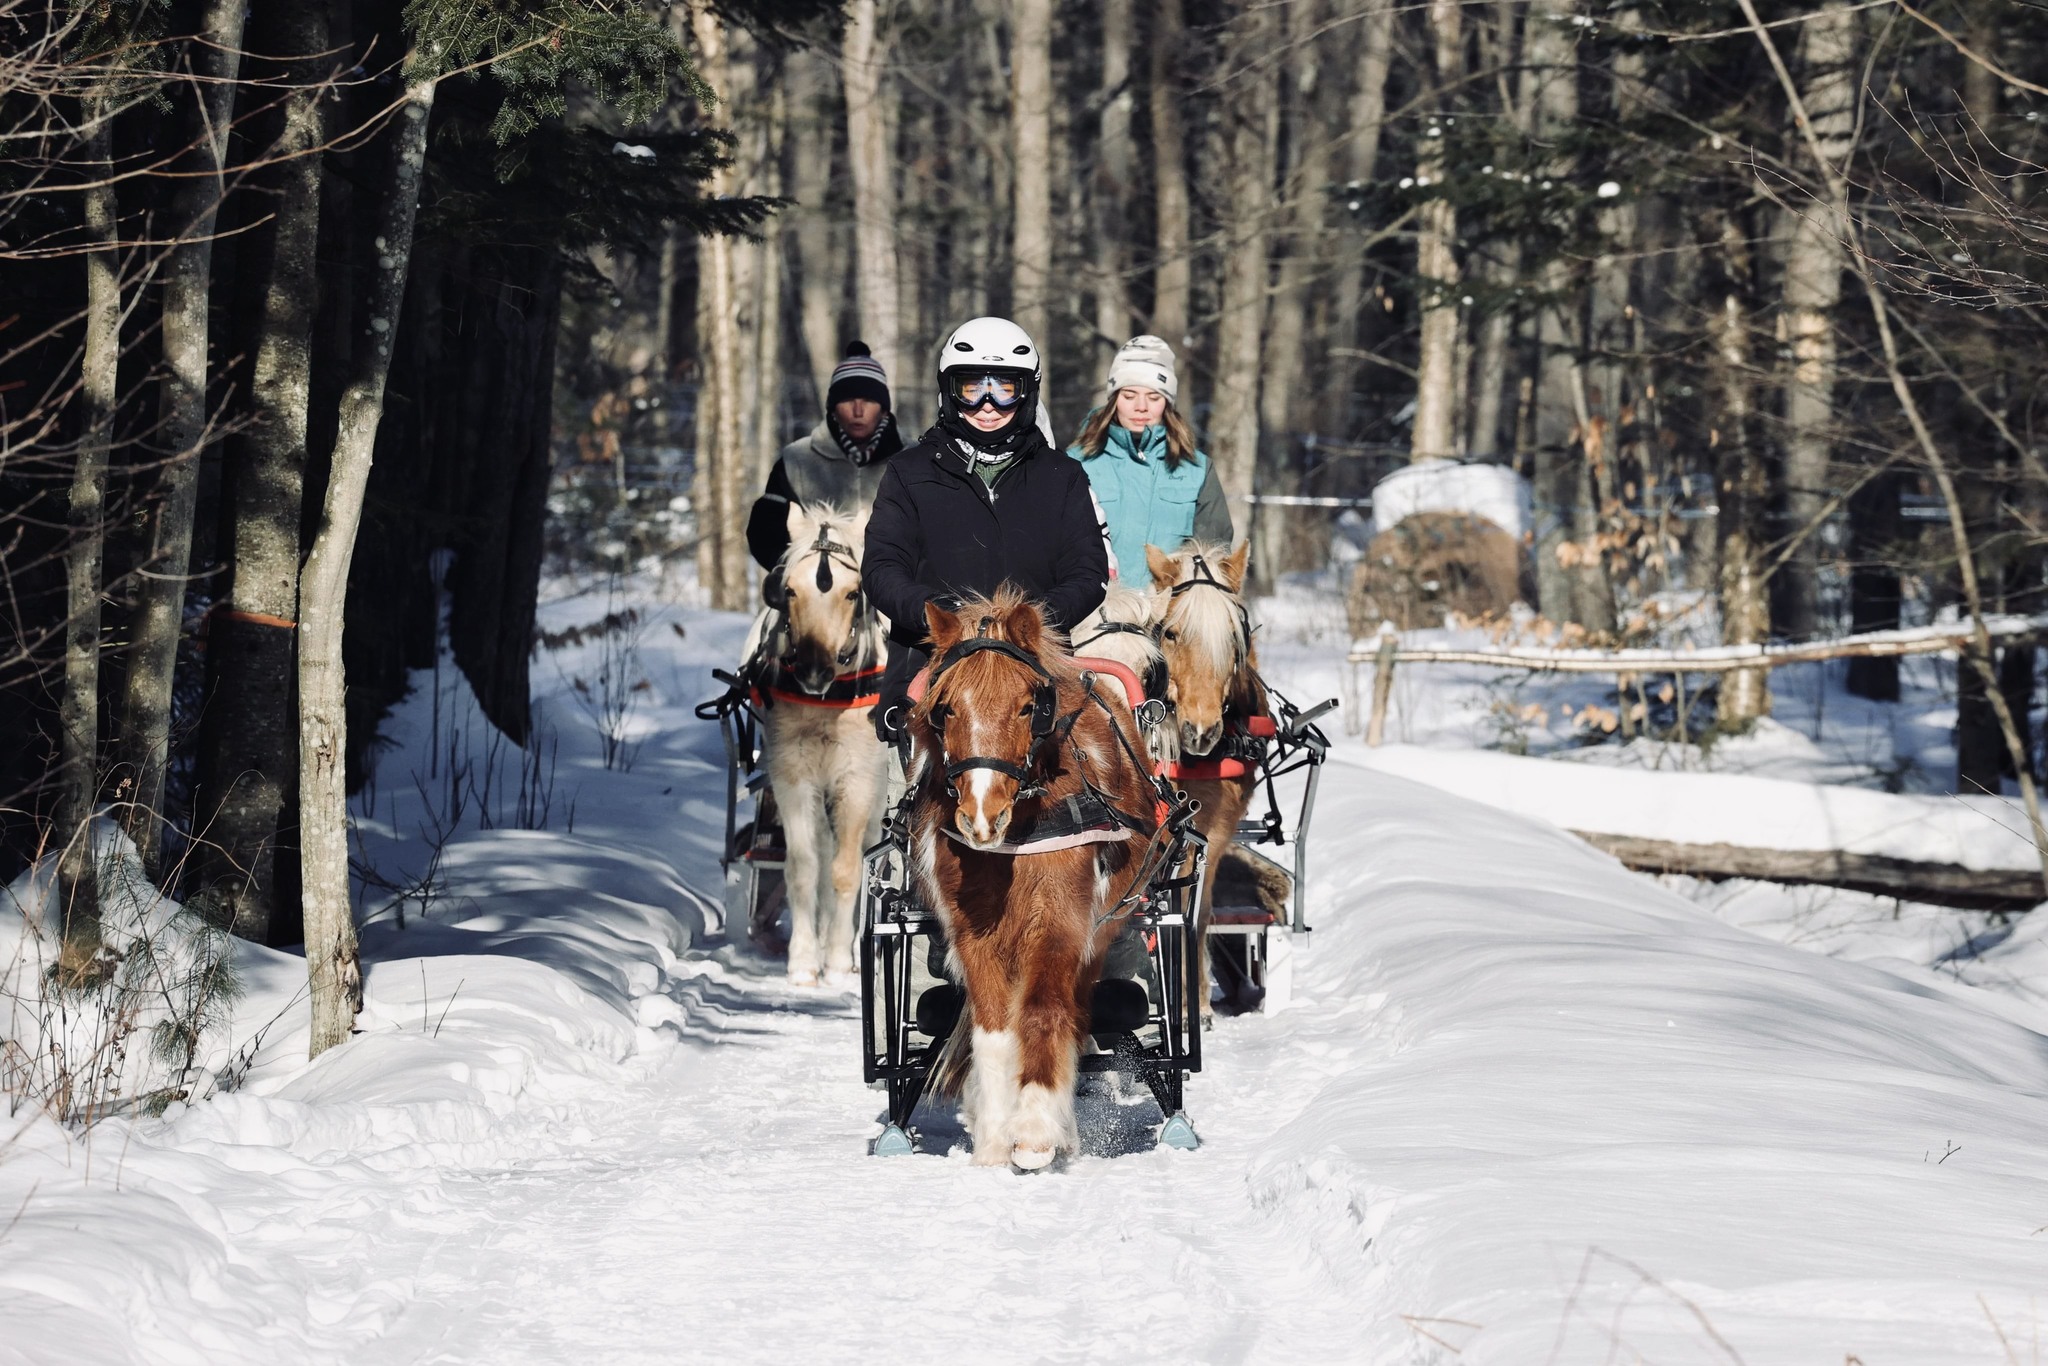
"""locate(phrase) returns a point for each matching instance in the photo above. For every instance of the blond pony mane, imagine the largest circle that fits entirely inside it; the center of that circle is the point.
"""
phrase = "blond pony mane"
(1210, 623)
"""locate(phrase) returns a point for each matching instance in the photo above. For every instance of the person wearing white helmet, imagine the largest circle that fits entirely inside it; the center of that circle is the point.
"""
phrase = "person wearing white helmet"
(1155, 488)
(982, 500)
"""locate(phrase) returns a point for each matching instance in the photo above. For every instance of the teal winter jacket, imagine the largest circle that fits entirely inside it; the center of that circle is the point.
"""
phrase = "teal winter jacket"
(1145, 503)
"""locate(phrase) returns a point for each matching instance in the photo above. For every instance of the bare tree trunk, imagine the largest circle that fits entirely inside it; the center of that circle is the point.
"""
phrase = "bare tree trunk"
(874, 185)
(1813, 288)
(1436, 262)
(810, 182)
(1742, 526)
(145, 736)
(333, 968)
(1031, 139)
(1367, 118)
(723, 412)
(85, 550)
(1287, 539)
(767, 297)
(1110, 201)
(1566, 558)
(250, 750)
(1499, 268)
(1173, 271)
(1247, 155)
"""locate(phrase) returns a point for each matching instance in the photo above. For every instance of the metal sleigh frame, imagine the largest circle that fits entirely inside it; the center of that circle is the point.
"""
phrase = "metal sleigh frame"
(1252, 951)
(740, 727)
(904, 1030)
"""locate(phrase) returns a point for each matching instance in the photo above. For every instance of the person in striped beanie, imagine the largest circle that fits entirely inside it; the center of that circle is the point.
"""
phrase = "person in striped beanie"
(840, 463)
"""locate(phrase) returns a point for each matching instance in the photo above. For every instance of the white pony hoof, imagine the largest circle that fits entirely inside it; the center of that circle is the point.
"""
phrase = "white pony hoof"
(991, 1155)
(1030, 1159)
(803, 977)
(842, 980)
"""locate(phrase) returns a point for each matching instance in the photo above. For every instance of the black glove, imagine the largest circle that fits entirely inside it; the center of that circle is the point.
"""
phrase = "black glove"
(950, 602)
(888, 721)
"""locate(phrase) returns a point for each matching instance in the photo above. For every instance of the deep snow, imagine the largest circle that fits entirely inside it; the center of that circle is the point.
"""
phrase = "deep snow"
(1528, 1107)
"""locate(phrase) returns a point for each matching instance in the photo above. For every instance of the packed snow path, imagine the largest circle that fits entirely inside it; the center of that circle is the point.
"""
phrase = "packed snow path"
(724, 1205)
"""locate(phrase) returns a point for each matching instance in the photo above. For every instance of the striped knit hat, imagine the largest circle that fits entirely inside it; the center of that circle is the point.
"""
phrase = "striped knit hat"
(860, 375)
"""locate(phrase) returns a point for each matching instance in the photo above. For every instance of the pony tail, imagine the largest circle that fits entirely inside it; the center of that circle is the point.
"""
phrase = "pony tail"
(956, 1056)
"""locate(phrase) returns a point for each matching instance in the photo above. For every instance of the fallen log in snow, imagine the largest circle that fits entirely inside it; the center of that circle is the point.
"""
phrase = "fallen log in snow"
(1939, 884)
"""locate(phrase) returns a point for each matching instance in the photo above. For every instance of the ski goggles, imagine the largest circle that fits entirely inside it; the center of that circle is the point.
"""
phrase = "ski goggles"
(971, 390)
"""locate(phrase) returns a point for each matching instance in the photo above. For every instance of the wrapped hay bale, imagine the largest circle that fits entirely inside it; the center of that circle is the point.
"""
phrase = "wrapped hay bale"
(1431, 564)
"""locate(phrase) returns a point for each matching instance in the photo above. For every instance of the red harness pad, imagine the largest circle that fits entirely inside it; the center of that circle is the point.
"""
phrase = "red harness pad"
(1195, 769)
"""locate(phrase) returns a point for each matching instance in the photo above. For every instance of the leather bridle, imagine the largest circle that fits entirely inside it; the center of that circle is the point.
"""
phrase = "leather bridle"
(1047, 725)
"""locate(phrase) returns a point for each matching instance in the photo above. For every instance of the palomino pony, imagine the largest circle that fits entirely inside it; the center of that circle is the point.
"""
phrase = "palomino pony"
(820, 672)
(1214, 686)
(1034, 823)
(1121, 630)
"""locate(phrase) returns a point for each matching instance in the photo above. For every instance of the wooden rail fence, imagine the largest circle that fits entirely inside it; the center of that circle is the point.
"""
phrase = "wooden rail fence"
(1386, 653)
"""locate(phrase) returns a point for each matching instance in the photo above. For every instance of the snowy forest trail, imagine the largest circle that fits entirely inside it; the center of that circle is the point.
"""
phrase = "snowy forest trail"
(729, 1191)
(1526, 1106)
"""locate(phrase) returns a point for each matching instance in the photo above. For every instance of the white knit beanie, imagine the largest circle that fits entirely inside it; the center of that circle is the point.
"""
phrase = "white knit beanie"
(1145, 363)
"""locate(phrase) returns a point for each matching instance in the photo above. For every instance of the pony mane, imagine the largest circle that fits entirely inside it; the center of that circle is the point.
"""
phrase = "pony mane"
(1008, 605)
(1207, 621)
(1131, 607)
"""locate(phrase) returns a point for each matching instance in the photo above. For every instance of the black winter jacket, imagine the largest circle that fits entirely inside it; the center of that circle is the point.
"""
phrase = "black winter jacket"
(936, 528)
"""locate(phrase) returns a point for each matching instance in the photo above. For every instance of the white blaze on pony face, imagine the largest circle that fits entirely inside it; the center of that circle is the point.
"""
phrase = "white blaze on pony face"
(982, 810)
(823, 591)
(1203, 634)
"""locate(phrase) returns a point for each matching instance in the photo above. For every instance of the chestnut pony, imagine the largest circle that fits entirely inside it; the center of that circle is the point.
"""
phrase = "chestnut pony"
(1214, 686)
(1007, 731)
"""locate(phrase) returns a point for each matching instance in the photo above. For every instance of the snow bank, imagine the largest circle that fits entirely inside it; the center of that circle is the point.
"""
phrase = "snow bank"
(1981, 832)
(1491, 491)
(1575, 1119)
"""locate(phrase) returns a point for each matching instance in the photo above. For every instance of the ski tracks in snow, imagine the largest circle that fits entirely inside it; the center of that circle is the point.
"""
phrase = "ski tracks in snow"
(723, 1208)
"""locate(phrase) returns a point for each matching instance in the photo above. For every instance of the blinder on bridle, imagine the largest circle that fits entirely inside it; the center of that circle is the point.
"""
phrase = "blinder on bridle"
(775, 586)
(1045, 722)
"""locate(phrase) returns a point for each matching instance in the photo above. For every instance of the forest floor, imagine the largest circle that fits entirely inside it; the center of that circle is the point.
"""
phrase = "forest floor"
(1526, 1107)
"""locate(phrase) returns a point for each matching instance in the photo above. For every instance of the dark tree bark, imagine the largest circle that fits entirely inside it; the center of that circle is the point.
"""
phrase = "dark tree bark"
(1874, 582)
(250, 748)
(85, 550)
(145, 735)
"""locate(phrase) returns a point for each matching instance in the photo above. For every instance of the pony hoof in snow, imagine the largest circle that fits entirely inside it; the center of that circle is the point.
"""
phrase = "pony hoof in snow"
(1031, 1159)
(803, 977)
(991, 1155)
(842, 979)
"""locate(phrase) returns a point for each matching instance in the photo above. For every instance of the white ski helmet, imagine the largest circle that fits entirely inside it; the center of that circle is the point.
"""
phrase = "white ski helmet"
(1003, 356)
(995, 343)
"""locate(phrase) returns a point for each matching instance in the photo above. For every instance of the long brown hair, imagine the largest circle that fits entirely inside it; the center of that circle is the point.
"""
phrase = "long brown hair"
(1180, 438)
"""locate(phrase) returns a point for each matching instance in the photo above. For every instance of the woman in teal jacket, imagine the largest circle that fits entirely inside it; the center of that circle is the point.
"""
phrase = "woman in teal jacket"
(1154, 487)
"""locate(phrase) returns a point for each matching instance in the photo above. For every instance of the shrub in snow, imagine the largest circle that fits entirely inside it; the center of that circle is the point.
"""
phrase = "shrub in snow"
(122, 1024)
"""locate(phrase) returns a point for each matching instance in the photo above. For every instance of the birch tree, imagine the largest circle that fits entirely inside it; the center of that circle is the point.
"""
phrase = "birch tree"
(1436, 262)
(1246, 136)
(1031, 162)
(332, 960)
(873, 168)
(1172, 268)
(214, 60)
(85, 543)
(250, 747)
(1813, 289)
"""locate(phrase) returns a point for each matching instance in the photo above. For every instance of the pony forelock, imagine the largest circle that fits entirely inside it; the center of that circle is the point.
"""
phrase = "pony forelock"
(1206, 621)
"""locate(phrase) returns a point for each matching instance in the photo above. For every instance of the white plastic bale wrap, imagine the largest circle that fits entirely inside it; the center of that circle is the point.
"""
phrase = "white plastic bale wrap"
(1494, 492)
